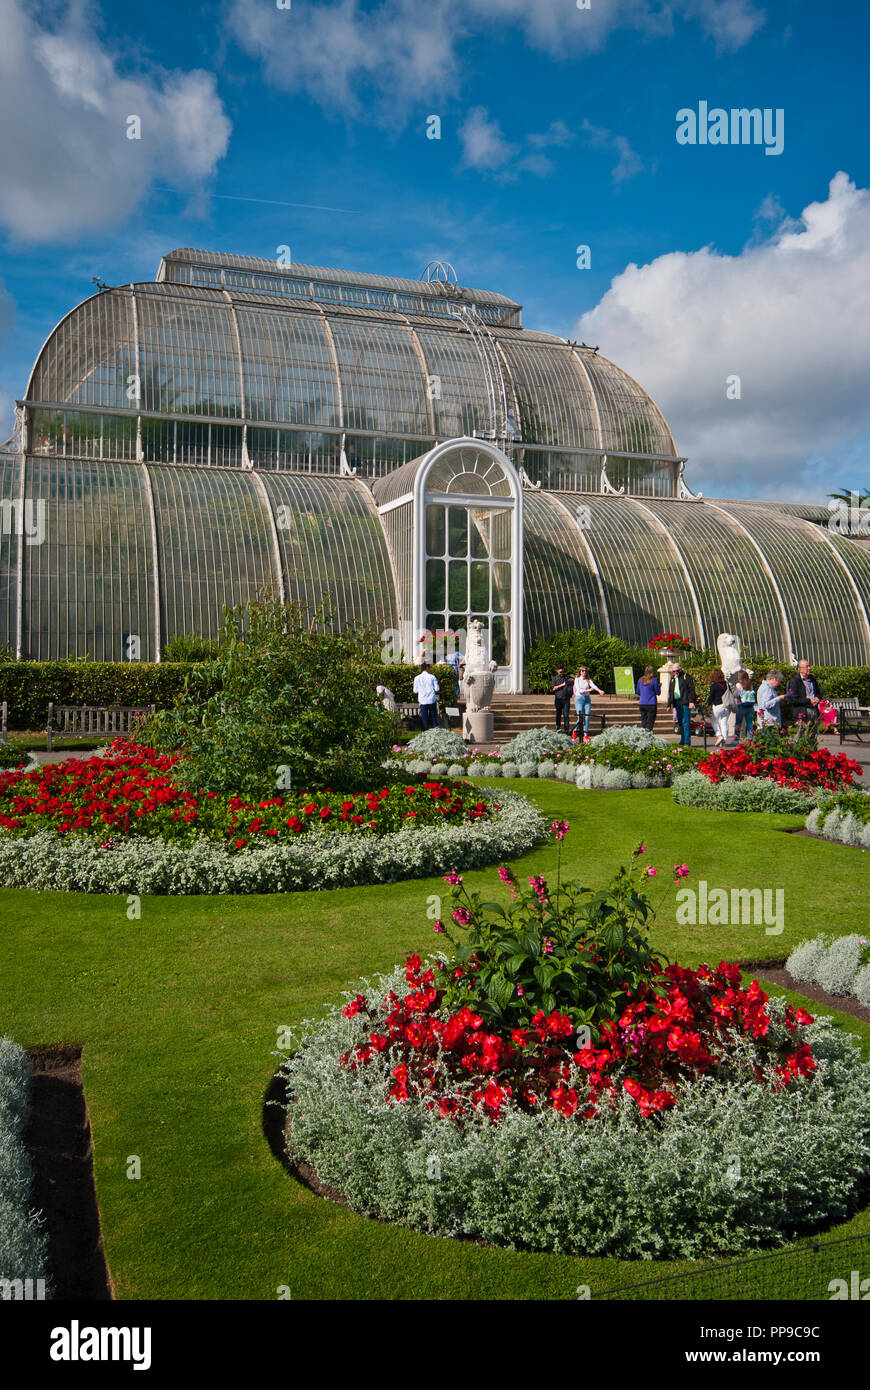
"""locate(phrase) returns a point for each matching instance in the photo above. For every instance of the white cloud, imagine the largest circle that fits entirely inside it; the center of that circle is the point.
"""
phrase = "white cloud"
(485, 149)
(379, 62)
(67, 166)
(483, 145)
(790, 316)
(629, 162)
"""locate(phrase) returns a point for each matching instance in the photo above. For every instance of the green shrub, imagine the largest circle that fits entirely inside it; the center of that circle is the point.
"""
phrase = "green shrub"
(283, 704)
(399, 677)
(186, 646)
(595, 650)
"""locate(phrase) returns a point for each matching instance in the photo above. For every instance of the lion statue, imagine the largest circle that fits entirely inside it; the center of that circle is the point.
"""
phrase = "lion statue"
(729, 656)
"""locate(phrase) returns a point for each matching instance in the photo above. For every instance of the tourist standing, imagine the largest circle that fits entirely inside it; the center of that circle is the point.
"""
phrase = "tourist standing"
(562, 688)
(583, 688)
(648, 692)
(769, 706)
(427, 689)
(744, 717)
(682, 699)
(457, 661)
(718, 687)
(804, 693)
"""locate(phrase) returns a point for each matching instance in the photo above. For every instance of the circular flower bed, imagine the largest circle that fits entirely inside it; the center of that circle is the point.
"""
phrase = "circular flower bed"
(554, 1084)
(133, 792)
(124, 824)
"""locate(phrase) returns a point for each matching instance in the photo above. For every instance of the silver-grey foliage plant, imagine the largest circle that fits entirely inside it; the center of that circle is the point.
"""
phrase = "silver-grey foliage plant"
(22, 1237)
(732, 1167)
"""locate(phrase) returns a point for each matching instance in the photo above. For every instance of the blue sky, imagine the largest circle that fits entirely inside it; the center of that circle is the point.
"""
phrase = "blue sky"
(557, 129)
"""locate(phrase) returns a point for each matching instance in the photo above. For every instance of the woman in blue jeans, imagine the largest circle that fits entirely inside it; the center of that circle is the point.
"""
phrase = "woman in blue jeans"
(583, 688)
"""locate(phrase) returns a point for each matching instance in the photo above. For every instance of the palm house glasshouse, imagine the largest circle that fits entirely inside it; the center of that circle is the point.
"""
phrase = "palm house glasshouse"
(402, 449)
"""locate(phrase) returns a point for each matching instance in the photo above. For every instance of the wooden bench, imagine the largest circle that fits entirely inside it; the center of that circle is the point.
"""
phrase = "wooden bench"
(409, 713)
(852, 718)
(89, 721)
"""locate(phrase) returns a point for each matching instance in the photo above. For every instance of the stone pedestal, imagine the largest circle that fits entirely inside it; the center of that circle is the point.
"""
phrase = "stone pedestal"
(665, 675)
(477, 726)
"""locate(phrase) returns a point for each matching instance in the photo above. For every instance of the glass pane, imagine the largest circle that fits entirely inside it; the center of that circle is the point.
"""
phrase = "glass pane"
(501, 535)
(501, 641)
(480, 534)
(458, 584)
(501, 586)
(434, 530)
(457, 530)
(435, 584)
(434, 623)
(479, 584)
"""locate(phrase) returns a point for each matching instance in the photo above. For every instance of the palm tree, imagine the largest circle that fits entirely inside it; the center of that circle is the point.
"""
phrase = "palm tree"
(851, 496)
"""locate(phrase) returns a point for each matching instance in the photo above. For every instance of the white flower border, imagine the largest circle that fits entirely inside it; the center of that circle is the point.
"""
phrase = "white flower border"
(830, 823)
(45, 862)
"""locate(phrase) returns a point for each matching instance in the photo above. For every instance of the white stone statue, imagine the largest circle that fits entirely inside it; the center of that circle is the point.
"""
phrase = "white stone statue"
(729, 656)
(478, 685)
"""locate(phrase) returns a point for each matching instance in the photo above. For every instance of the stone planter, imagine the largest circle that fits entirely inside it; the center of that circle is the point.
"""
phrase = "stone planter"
(477, 726)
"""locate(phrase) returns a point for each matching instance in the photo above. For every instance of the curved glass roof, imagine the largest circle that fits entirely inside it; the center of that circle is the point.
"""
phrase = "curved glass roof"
(167, 349)
(153, 550)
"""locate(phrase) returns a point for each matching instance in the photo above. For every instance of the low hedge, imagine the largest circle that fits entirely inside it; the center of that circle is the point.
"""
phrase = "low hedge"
(29, 686)
(601, 653)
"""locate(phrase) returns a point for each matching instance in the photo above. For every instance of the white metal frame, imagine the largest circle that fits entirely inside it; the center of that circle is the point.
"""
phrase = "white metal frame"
(509, 679)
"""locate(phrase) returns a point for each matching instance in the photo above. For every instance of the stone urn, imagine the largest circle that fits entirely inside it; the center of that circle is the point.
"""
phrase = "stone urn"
(478, 686)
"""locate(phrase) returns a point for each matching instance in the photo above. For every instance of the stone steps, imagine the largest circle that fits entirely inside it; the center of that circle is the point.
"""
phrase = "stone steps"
(515, 713)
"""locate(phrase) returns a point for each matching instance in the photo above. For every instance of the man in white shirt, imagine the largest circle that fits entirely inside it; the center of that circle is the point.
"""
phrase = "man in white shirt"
(427, 689)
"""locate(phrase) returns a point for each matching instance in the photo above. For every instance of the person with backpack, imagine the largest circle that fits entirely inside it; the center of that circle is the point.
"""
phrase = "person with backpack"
(648, 691)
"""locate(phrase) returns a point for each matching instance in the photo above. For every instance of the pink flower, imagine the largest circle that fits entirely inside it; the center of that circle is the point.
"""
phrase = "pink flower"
(650, 871)
(453, 878)
(520, 989)
(681, 871)
(559, 829)
(438, 926)
(505, 874)
(548, 946)
(462, 916)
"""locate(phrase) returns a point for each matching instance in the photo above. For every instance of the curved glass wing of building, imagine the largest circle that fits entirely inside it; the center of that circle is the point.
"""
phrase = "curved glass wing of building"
(403, 450)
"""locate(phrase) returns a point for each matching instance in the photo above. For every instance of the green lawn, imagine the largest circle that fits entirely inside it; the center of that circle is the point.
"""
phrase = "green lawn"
(179, 1013)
